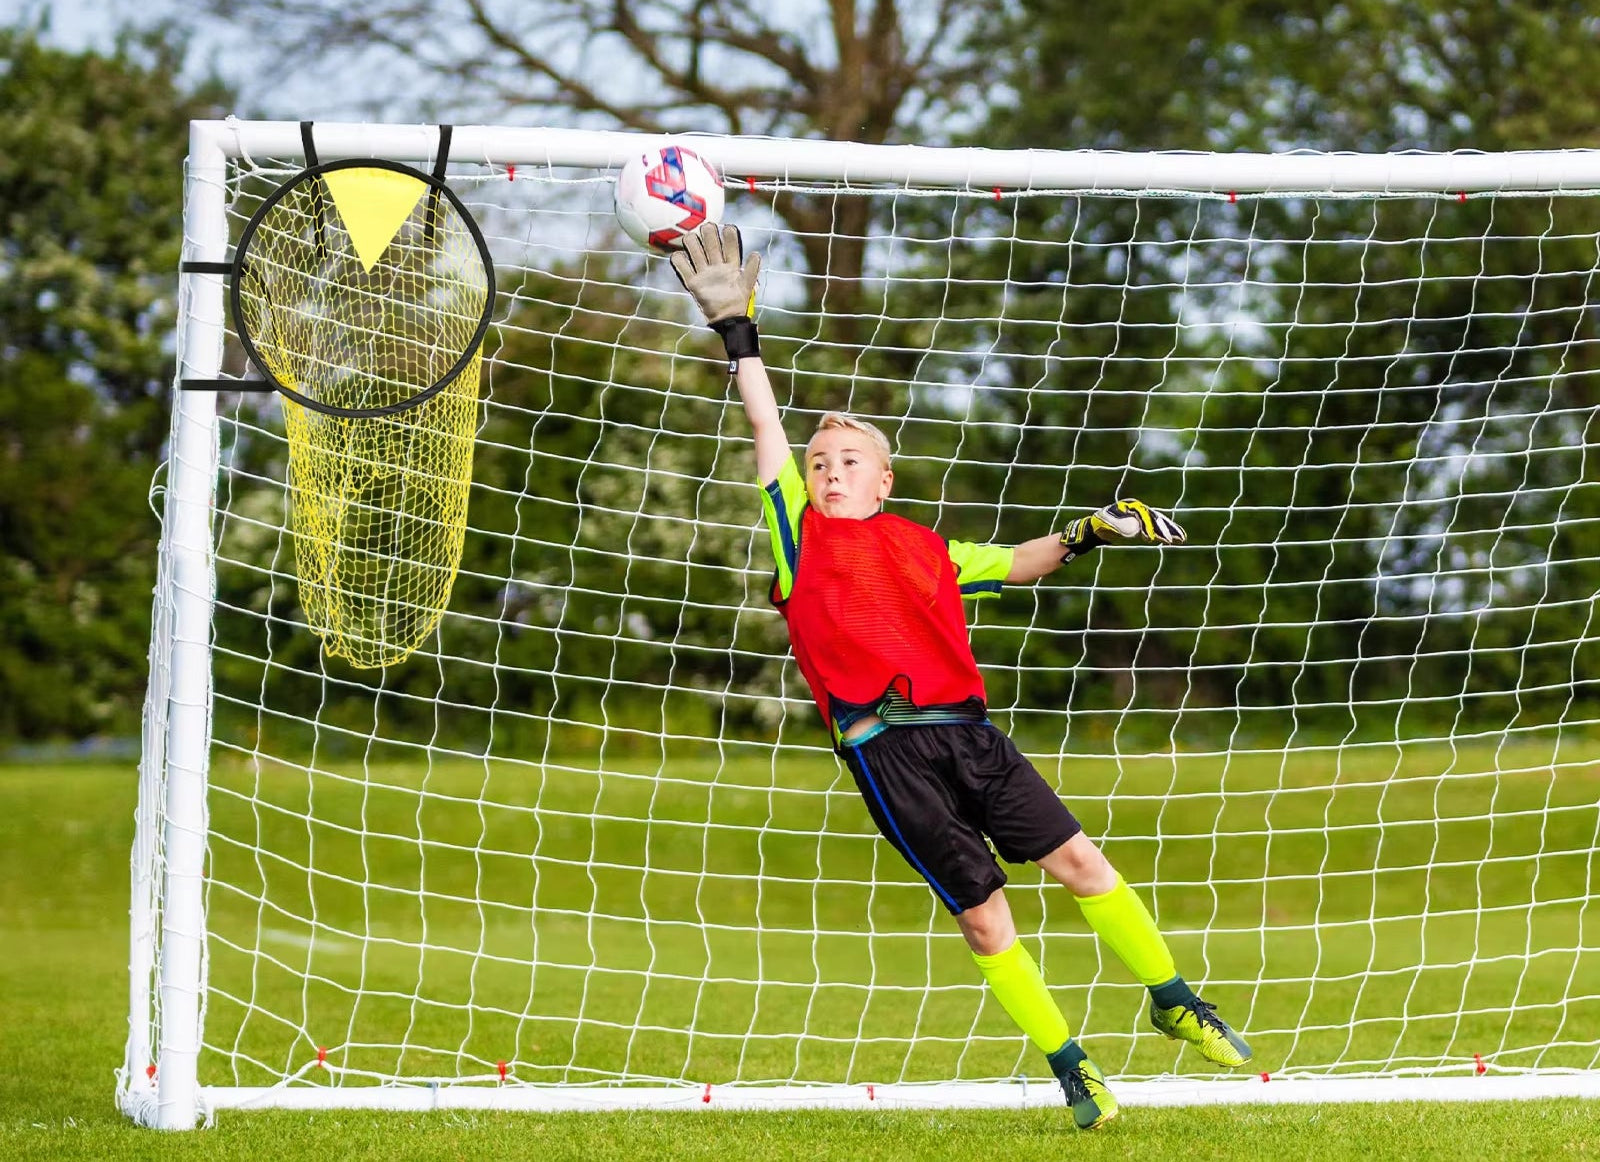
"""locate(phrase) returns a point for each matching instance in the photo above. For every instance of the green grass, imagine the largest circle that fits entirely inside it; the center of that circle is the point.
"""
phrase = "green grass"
(65, 834)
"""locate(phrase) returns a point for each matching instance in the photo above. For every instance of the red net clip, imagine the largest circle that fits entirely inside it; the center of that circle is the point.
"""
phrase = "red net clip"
(1479, 1067)
(1233, 197)
(322, 1057)
(706, 1096)
(997, 193)
(871, 1096)
(150, 1071)
(1265, 1076)
(751, 183)
(502, 1067)
(511, 173)
(1462, 196)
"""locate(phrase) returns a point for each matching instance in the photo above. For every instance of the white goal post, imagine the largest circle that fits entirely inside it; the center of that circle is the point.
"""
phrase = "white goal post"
(588, 848)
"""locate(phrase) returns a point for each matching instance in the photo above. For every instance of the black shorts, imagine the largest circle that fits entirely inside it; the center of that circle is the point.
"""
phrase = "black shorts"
(935, 792)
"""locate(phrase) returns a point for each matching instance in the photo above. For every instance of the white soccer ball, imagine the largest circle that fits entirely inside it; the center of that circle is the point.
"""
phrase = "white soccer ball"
(662, 194)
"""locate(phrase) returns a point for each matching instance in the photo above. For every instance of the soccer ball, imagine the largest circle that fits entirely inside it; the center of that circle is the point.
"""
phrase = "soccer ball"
(663, 194)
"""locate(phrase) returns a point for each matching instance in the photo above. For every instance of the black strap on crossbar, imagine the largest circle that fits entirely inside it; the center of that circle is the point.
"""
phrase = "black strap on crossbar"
(307, 144)
(440, 161)
(198, 267)
(319, 208)
(443, 157)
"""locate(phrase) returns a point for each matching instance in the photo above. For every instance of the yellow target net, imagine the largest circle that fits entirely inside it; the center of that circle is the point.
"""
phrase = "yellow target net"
(364, 291)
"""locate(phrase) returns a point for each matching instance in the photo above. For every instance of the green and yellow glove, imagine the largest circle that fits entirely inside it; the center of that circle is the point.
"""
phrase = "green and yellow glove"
(713, 269)
(1126, 519)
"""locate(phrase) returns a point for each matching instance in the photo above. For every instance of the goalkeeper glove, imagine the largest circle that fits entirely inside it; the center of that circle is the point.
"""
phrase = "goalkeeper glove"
(1125, 518)
(712, 267)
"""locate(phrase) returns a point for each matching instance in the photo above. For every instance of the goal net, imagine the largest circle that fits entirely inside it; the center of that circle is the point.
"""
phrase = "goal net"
(588, 845)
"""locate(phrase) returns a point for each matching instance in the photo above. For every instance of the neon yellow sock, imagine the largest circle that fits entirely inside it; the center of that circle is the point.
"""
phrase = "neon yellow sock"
(1018, 986)
(1120, 918)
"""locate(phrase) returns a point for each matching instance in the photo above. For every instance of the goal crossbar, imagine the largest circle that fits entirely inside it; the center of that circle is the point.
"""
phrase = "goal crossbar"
(983, 171)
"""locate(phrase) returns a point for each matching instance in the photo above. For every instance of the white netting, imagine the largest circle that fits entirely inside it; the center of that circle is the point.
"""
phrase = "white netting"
(1344, 740)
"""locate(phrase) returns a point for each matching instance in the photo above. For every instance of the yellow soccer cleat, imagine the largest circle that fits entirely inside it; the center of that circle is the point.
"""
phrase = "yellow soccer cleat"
(1197, 1023)
(1085, 1087)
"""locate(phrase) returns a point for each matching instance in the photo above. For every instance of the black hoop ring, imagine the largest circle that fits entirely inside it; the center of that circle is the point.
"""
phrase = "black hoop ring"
(242, 251)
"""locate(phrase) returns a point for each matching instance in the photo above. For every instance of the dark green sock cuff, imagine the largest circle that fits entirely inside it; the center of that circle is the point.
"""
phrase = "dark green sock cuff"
(1069, 1056)
(1174, 992)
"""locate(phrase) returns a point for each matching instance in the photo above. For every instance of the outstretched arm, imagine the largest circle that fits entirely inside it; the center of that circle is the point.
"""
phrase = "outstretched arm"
(755, 390)
(1128, 518)
(713, 269)
(1034, 559)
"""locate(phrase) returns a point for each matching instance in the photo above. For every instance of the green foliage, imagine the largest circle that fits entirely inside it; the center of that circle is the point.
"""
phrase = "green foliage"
(1366, 75)
(606, 523)
(90, 228)
(1400, 461)
(601, 573)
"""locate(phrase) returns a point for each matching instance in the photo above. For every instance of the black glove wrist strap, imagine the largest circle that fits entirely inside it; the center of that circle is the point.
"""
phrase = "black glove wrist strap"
(739, 337)
(1087, 541)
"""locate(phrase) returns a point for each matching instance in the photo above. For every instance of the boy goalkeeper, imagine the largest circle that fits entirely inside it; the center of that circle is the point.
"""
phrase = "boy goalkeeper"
(873, 606)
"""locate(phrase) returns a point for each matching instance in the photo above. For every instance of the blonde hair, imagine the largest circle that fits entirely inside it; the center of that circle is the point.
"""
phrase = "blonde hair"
(834, 420)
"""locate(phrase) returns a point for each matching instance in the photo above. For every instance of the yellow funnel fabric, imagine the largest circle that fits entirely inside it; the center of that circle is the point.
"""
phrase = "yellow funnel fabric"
(362, 294)
(374, 203)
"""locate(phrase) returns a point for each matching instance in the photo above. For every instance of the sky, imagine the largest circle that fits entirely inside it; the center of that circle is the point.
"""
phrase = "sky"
(93, 24)
(74, 23)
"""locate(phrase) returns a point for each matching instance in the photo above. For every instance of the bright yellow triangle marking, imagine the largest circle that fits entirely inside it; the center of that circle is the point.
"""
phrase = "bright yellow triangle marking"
(373, 203)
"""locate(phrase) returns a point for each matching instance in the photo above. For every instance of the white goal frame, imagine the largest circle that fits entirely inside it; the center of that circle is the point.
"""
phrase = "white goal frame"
(169, 851)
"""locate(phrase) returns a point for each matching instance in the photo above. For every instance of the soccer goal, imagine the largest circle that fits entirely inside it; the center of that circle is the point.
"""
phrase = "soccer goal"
(586, 846)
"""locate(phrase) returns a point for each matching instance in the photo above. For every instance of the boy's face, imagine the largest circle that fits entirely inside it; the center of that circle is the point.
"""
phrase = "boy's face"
(846, 474)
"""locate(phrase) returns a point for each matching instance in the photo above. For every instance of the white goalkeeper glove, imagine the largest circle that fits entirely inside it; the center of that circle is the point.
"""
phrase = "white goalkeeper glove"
(1125, 518)
(712, 267)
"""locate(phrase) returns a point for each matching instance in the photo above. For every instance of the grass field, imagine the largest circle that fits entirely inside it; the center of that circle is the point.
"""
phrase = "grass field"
(65, 833)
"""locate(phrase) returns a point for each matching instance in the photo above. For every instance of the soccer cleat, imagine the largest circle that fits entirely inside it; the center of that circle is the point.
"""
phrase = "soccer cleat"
(1085, 1087)
(1197, 1023)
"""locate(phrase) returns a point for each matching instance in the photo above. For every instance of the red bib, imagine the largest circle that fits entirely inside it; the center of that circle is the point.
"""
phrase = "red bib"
(875, 605)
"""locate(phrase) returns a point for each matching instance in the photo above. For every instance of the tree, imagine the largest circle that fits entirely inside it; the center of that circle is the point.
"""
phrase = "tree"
(877, 71)
(90, 197)
(1253, 74)
(1367, 76)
